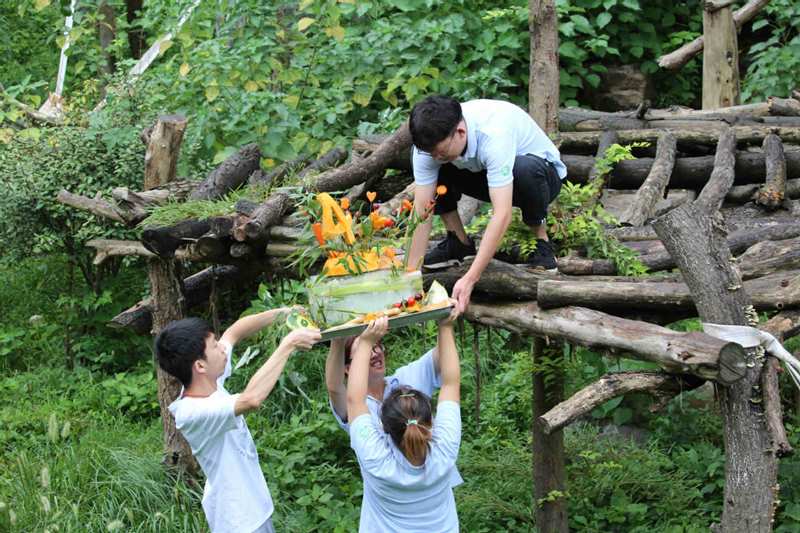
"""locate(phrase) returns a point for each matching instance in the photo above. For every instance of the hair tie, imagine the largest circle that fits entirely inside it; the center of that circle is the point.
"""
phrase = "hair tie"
(406, 395)
(411, 421)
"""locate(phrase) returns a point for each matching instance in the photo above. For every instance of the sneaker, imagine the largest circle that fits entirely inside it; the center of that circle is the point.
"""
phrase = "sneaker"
(543, 258)
(448, 252)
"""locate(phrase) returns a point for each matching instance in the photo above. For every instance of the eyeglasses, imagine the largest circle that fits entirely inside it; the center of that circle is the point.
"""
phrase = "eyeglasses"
(449, 145)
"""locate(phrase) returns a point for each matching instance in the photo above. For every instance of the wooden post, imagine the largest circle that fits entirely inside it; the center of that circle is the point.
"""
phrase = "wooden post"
(548, 450)
(543, 84)
(549, 498)
(168, 303)
(720, 56)
(697, 243)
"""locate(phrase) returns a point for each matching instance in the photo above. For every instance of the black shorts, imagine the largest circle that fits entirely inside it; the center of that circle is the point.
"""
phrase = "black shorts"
(536, 185)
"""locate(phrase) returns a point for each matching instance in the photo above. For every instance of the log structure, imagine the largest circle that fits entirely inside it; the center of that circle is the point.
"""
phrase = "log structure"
(730, 156)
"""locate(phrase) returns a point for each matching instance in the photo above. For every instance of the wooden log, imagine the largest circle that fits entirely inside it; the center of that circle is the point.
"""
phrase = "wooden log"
(769, 256)
(697, 242)
(610, 386)
(543, 89)
(689, 172)
(606, 140)
(107, 248)
(500, 280)
(268, 214)
(703, 134)
(616, 202)
(233, 172)
(351, 174)
(784, 325)
(778, 290)
(677, 352)
(163, 241)
(364, 146)
(285, 233)
(330, 159)
(721, 180)
(643, 205)
(772, 194)
(161, 157)
(96, 206)
(677, 58)
(784, 106)
(744, 193)
(720, 57)
(737, 242)
(195, 290)
(279, 173)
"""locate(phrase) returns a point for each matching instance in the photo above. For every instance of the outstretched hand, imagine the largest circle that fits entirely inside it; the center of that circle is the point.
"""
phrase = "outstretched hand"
(302, 339)
(462, 291)
(375, 331)
(454, 314)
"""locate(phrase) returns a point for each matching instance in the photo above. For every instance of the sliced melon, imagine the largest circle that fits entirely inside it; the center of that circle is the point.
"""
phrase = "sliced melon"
(437, 297)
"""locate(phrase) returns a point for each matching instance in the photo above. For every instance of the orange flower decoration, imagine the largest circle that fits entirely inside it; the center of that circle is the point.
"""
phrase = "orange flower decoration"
(317, 229)
(407, 206)
(371, 195)
(441, 190)
(345, 203)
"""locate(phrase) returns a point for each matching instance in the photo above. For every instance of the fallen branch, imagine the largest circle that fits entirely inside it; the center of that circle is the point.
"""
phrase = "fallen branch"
(643, 205)
(772, 194)
(677, 352)
(660, 385)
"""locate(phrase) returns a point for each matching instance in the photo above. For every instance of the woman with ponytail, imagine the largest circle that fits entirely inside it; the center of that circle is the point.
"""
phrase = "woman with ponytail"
(408, 459)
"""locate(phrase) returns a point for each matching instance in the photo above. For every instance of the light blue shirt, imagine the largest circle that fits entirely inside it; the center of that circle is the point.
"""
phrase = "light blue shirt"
(399, 496)
(420, 375)
(497, 132)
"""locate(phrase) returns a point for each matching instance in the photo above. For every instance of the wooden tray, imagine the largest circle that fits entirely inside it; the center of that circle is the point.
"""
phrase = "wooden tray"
(395, 322)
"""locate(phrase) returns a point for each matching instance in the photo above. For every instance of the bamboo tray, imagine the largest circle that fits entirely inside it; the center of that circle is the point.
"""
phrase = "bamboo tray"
(395, 322)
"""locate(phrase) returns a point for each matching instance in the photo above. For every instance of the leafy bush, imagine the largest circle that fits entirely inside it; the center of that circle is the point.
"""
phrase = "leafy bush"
(775, 61)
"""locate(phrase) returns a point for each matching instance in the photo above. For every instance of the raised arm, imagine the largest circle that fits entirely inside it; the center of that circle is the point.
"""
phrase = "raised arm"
(492, 236)
(448, 361)
(359, 368)
(263, 381)
(423, 195)
(252, 324)
(334, 378)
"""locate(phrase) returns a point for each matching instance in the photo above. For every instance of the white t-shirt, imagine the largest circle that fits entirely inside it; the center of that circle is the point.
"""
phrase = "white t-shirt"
(235, 497)
(497, 132)
(420, 375)
(399, 496)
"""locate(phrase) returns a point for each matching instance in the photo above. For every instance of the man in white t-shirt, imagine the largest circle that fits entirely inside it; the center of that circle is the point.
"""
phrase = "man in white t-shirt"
(490, 150)
(235, 498)
(422, 375)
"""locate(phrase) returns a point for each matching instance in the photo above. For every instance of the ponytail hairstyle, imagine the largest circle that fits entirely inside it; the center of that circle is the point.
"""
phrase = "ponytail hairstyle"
(406, 417)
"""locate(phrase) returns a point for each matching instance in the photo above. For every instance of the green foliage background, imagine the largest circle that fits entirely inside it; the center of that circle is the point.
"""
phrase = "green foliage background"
(80, 435)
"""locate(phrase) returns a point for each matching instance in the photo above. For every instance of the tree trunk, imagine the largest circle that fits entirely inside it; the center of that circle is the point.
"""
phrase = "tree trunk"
(744, 193)
(549, 474)
(163, 147)
(769, 256)
(107, 31)
(543, 86)
(697, 242)
(720, 57)
(643, 205)
(135, 32)
(161, 158)
(773, 192)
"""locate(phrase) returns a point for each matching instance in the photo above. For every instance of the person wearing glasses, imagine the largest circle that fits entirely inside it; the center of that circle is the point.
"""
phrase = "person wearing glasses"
(407, 457)
(490, 150)
(423, 375)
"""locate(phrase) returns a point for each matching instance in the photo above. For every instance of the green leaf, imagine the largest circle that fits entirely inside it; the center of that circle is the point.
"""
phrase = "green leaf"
(760, 23)
(212, 91)
(304, 23)
(603, 19)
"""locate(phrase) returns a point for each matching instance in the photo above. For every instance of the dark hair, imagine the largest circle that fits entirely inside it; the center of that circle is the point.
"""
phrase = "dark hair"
(433, 120)
(406, 417)
(348, 349)
(179, 345)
